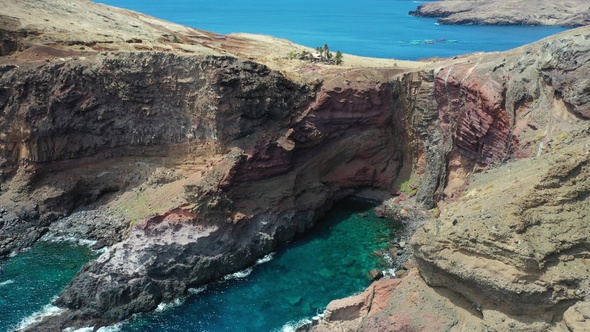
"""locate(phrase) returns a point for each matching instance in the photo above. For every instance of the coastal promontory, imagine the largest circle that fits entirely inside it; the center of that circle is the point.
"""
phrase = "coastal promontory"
(187, 155)
(567, 13)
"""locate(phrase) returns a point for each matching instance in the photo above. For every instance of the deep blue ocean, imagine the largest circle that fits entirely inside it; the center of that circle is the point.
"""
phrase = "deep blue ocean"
(375, 28)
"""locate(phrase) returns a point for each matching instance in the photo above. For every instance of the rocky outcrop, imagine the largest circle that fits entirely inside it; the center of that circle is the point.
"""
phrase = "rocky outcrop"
(569, 13)
(199, 162)
(406, 304)
(510, 242)
(576, 318)
(494, 110)
(202, 161)
(519, 258)
(254, 200)
(62, 119)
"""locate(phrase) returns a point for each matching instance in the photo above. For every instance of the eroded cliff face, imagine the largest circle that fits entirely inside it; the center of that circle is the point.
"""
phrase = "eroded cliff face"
(233, 159)
(509, 248)
(256, 198)
(190, 163)
(521, 261)
(71, 129)
(527, 103)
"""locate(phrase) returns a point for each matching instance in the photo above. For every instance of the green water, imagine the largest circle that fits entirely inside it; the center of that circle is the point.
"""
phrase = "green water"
(29, 281)
(330, 262)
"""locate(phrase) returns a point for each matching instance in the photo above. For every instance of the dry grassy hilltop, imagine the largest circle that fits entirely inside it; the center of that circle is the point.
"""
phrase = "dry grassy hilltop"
(190, 154)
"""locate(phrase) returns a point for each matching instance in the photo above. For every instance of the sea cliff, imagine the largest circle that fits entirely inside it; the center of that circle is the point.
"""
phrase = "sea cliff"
(189, 155)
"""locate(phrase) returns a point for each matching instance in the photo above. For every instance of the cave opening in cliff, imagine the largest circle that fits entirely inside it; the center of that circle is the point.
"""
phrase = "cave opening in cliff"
(334, 259)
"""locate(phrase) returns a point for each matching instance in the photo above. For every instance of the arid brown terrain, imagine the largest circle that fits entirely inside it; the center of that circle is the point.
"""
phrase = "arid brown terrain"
(190, 154)
(567, 13)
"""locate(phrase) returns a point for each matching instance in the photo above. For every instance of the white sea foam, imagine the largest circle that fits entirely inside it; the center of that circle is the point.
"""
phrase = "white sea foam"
(292, 326)
(48, 310)
(71, 239)
(239, 274)
(265, 259)
(389, 273)
(197, 290)
(102, 250)
(7, 282)
(165, 306)
(114, 328)
(82, 329)
(389, 261)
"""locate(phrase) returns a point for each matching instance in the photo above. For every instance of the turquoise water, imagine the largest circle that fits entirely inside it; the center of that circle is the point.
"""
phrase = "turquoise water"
(30, 280)
(376, 28)
(330, 262)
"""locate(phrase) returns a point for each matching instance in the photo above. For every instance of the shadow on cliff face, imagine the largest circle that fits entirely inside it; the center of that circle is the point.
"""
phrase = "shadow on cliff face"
(511, 245)
(274, 184)
(260, 157)
(257, 158)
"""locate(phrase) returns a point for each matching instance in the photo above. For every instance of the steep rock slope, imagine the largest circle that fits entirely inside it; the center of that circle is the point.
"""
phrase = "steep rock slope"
(510, 244)
(253, 200)
(65, 118)
(516, 248)
(188, 162)
(193, 162)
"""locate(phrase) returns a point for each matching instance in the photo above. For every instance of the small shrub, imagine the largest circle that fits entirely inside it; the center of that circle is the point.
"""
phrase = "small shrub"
(410, 186)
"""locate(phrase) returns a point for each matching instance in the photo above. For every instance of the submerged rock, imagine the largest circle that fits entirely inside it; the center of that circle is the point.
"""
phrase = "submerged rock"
(375, 274)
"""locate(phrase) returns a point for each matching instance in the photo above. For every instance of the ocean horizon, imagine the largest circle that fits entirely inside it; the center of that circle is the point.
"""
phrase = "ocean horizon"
(372, 28)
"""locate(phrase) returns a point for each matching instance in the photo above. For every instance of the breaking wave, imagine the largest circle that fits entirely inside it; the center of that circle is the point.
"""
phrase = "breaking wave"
(265, 259)
(114, 328)
(195, 291)
(7, 282)
(246, 272)
(80, 242)
(292, 326)
(240, 274)
(165, 306)
(48, 310)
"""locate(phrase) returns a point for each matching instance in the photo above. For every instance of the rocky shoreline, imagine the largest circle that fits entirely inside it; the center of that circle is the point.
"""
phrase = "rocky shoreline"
(569, 13)
(191, 160)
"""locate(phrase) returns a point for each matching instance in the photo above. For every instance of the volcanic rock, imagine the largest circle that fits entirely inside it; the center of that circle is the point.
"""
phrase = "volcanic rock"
(192, 159)
(569, 13)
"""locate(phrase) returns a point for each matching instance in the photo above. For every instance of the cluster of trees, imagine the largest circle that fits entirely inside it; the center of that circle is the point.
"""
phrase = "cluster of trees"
(323, 55)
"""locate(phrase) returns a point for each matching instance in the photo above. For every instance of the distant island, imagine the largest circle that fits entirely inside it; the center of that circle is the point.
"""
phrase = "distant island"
(566, 13)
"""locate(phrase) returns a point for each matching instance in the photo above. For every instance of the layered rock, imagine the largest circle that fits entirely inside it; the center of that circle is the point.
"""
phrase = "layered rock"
(406, 304)
(517, 247)
(203, 161)
(254, 200)
(569, 13)
(510, 244)
(516, 107)
(231, 158)
(63, 119)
